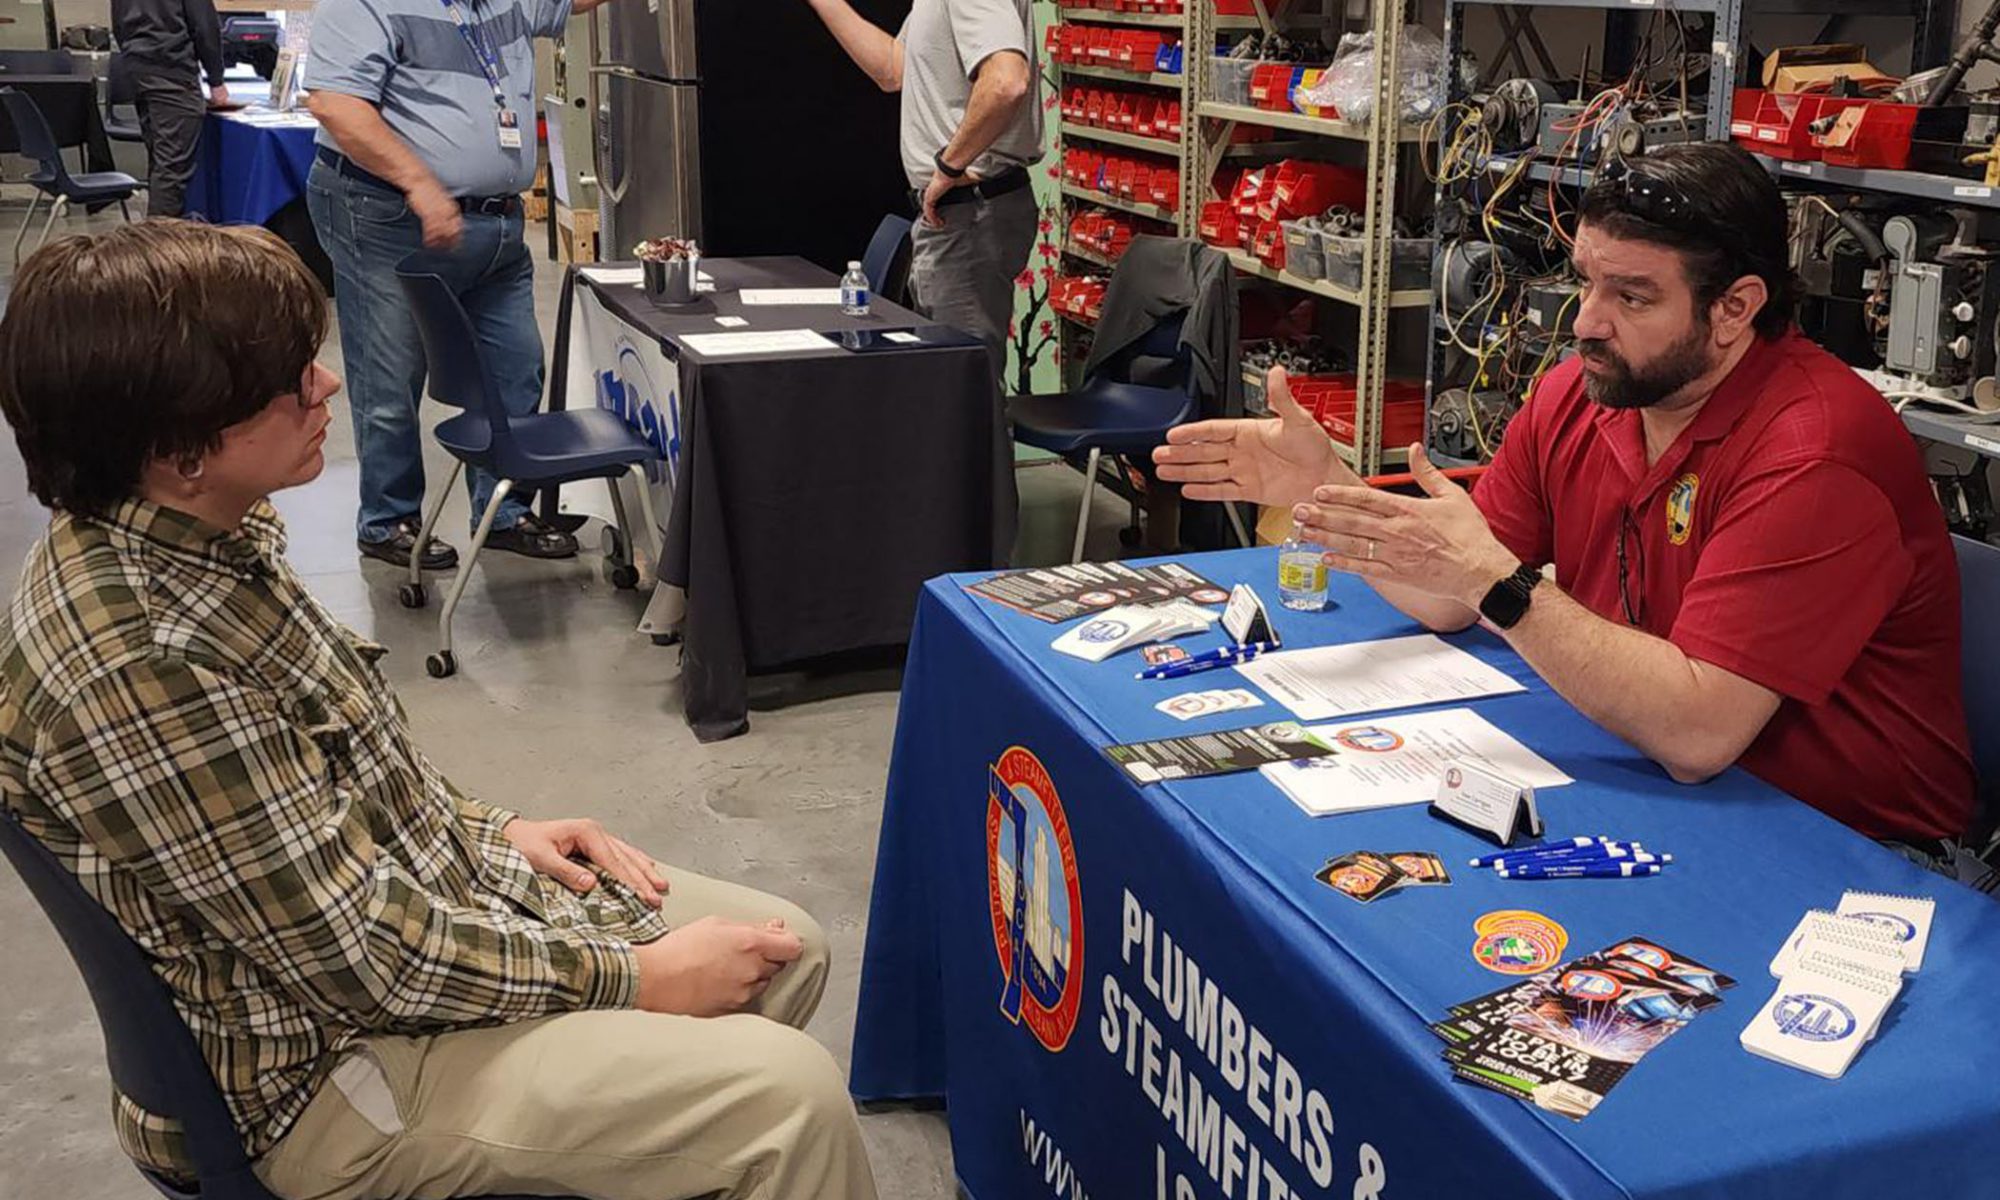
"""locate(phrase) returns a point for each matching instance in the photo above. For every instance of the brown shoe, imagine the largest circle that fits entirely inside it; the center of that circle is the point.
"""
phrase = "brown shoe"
(438, 556)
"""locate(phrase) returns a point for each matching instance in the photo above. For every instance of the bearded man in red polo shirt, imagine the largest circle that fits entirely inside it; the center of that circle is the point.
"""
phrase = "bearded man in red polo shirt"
(1749, 563)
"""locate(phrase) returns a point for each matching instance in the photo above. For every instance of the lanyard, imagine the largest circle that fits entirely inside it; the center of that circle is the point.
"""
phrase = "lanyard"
(489, 62)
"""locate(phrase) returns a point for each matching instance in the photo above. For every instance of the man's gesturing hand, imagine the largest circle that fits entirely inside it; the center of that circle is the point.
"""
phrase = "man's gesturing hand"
(1278, 460)
(549, 847)
(1438, 543)
(713, 966)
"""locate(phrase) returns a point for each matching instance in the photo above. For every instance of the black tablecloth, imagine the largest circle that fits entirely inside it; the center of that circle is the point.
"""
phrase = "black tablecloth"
(69, 104)
(817, 491)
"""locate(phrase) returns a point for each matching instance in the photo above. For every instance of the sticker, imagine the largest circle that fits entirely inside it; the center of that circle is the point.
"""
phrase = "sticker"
(1972, 191)
(1979, 443)
(1796, 168)
(1518, 942)
(1159, 654)
(1422, 867)
(1768, 135)
(1360, 875)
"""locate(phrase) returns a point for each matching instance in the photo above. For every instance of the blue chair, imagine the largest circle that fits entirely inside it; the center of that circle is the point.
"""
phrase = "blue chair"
(887, 263)
(1979, 600)
(535, 451)
(51, 178)
(1111, 414)
(121, 97)
(152, 1057)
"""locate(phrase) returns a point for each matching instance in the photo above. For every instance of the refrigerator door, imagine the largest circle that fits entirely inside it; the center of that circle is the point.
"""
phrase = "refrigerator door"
(648, 161)
(653, 38)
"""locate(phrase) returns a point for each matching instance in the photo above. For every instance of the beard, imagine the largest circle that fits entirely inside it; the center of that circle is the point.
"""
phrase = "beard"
(1617, 384)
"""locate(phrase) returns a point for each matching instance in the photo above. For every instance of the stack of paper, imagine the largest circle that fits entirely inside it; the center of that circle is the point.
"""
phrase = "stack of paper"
(1838, 973)
(1397, 760)
(1128, 625)
(1328, 682)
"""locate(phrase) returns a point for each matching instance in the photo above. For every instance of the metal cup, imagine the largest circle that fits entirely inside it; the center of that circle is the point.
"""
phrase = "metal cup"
(670, 282)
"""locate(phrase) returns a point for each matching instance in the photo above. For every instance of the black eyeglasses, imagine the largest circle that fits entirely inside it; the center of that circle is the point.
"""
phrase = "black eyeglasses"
(1634, 611)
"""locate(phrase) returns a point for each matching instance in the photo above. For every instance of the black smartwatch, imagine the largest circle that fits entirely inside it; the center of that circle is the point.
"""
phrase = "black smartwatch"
(949, 171)
(1506, 602)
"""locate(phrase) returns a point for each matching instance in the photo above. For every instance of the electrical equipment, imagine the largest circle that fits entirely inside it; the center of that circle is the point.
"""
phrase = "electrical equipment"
(1512, 115)
(1942, 312)
(1552, 307)
(1468, 425)
(1564, 135)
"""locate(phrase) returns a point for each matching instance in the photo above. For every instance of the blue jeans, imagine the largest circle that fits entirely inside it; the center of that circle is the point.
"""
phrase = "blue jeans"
(367, 230)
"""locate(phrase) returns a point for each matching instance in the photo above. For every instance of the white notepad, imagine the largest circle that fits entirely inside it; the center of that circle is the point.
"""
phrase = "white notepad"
(1820, 928)
(1908, 917)
(1885, 969)
(1816, 1020)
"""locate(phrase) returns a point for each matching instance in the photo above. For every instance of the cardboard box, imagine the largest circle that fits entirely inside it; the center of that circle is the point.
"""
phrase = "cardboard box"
(1800, 68)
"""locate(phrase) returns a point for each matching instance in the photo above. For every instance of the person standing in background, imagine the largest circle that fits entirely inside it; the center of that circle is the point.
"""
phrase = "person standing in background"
(427, 140)
(171, 45)
(966, 73)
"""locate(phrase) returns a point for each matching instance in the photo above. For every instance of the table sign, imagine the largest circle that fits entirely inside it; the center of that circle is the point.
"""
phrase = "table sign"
(1488, 804)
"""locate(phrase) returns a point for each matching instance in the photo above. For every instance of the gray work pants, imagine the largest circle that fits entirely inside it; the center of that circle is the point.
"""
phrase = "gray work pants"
(963, 274)
(171, 108)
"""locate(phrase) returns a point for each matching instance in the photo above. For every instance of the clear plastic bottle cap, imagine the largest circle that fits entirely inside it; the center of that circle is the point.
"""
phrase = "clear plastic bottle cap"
(854, 266)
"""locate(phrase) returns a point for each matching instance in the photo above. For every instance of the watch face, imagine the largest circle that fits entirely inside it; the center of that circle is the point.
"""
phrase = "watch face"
(1507, 601)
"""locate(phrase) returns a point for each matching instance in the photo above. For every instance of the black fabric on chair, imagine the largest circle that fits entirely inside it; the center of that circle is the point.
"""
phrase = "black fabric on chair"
(121, 93)
(887, 263)
(152, 1057)
(37, 62)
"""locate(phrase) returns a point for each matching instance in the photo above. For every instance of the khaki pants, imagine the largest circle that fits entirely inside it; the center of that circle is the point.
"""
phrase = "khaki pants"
(620, 1105)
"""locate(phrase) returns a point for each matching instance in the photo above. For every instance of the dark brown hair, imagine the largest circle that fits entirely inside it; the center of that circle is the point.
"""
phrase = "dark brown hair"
(145, 343)
(1736, 224)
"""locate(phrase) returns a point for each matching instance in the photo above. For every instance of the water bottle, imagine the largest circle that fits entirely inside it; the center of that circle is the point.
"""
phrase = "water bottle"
(854, 291)
(1301, 573)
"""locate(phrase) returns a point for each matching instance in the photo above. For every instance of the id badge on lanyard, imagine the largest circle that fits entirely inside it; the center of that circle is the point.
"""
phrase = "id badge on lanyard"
(505, 118)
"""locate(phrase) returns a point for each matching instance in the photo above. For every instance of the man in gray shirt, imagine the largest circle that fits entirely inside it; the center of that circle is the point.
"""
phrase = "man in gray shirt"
(427, 139)
(970, 130)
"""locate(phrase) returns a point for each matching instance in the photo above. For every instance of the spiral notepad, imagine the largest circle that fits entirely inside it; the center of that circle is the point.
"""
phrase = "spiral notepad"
(1908, 917)
(1820, 927)
(1818, 1018)
(1883, 968)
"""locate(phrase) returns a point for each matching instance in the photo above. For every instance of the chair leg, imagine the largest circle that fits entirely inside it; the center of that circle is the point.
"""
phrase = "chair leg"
(55, 210)
(125, 207)
(430, 523)
(34, 202)
(465, 566)
(1083, 512)
(1236, 523)
(625, 530)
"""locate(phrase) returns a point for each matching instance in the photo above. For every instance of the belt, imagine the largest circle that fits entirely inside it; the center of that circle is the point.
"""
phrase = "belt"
(1013, 179)
(490, 206)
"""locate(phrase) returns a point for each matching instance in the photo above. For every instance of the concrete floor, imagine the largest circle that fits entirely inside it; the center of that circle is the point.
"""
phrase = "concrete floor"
(559, 709)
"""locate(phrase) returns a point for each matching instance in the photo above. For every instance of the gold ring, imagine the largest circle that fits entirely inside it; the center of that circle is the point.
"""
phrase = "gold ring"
(1371, 549)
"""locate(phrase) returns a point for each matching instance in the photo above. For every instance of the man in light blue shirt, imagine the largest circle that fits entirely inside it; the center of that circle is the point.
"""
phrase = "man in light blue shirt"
(427, 119)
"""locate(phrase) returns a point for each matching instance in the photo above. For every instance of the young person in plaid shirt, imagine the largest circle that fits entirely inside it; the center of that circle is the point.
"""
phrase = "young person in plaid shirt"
(402, 991)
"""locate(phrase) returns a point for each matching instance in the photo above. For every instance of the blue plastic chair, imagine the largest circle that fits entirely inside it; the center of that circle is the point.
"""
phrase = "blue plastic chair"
(121, 96)
(887, 263)
(1110, 414)
(1979, 600)
(51, 178)
(535, 451)
(152, 1057)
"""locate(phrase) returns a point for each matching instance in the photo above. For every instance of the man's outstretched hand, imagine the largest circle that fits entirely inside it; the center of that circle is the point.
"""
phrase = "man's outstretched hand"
(1275, 460)
(713, 966)
(551, 846)
(1438, 543)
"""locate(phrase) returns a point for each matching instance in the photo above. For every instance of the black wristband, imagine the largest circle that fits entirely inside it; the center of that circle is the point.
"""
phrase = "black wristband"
(946, 169)
(1506, 602)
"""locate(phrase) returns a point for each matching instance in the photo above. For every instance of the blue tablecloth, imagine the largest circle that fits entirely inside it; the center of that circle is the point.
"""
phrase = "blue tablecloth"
(1324, 1002)
(245, 173)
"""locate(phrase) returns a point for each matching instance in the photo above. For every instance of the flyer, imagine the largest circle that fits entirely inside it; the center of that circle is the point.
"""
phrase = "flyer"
(1201, 754)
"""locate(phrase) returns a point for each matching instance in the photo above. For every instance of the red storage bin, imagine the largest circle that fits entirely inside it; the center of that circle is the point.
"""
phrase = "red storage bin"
(1166, 187)
(1271, 86)
(1172, 110)
(1217, 225)
(1781, 125)
(1268, 244)
(1301, 189)
(1874, 134)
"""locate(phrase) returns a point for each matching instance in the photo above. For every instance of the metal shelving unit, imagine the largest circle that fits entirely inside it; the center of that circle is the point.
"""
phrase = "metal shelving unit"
(1318, 126)
(1917, 185)
(1143, 78)
(1979, 438)
(1135, 207)
(1087, 255)
(1118, 137)
(1249, 265)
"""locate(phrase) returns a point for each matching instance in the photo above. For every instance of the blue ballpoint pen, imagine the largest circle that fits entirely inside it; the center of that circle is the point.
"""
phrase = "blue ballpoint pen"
(1562, 847)
(1208, 660)
(1585, 854)
(1596, 870)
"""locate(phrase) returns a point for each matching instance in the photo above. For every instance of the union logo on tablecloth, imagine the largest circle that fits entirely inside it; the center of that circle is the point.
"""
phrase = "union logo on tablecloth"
(1034, 897)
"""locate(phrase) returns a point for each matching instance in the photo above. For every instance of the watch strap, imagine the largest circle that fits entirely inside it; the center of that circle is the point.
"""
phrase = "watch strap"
(946, 169)
(1506, 602)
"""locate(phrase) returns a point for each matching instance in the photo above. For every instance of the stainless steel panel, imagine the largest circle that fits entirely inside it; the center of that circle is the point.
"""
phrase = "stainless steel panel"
(635, 37)
(648, 161)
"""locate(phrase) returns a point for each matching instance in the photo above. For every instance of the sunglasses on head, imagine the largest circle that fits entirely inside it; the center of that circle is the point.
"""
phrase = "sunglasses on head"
(1651, 198)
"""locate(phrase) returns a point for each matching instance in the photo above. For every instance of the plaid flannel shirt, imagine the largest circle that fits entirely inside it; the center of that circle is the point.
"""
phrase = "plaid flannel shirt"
(225, 769)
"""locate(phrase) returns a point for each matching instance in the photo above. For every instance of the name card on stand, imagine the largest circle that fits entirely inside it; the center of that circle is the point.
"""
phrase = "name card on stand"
(1490, 805)
(1245, 620)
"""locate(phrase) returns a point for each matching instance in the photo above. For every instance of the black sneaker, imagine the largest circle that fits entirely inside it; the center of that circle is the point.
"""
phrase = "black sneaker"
(396, 548)
(534, 538)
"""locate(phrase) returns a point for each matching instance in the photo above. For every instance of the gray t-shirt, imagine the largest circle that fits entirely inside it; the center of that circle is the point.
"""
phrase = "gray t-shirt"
(944, 41)
(408, 58)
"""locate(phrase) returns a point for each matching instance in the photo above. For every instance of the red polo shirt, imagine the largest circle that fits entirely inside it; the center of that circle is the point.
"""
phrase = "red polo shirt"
(1789, 535)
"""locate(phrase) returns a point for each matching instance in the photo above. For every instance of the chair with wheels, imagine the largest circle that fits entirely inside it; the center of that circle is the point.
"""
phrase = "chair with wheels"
(887, 263)
(535, 451)
(153, 1058)
(1113, 413)
(51, 178)
(121, 101)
